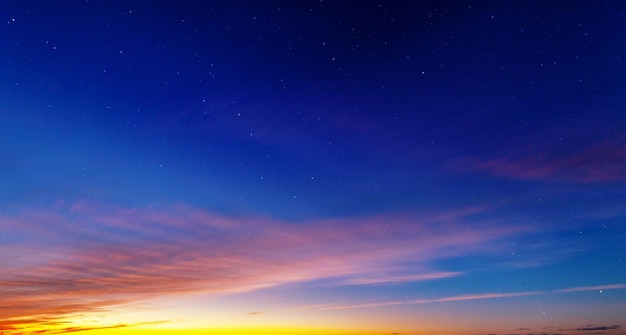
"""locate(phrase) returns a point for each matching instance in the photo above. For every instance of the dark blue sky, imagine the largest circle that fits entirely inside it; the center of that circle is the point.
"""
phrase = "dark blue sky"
(456, 117)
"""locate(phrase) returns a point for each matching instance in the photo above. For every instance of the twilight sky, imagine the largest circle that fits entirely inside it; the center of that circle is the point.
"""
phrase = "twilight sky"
(312, 167)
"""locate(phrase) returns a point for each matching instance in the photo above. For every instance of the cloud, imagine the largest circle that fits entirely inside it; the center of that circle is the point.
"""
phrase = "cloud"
(463, 298)
(484, 296)
(401, 278)
(67, 330)
(253, 313)
(593, 288)
(602, 162)
(86, 258)
(80, 329)
(592, 328)
(427, 301)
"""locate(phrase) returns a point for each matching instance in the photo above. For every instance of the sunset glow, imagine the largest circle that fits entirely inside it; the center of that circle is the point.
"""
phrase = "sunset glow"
(312, 168)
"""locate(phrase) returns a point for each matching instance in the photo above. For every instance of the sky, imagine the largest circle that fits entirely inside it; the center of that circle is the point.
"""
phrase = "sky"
(312, 167)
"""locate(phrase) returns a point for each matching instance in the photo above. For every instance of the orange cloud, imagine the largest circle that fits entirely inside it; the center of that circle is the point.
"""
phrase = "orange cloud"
(86, 258)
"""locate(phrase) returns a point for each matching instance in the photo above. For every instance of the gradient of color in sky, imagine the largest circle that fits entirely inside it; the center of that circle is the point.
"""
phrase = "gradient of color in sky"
(312, 167)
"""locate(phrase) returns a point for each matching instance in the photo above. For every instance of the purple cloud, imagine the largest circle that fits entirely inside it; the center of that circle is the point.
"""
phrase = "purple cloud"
(601, 162)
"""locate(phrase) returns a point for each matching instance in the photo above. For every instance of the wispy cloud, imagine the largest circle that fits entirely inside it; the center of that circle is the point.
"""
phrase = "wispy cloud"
(593, 288)
(466, 297)
(593, 328)
(401, 278)
(588, 328)
(426, 301)
(86, 258)
(254, 313)
(58, 327)
(604, 161)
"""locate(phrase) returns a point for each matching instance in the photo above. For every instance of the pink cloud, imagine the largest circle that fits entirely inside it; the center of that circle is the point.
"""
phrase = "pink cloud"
(601, 162)
(85, 258)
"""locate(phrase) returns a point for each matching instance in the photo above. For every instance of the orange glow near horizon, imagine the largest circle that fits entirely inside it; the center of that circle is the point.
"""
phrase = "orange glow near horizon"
(231, 331)
(131, 330)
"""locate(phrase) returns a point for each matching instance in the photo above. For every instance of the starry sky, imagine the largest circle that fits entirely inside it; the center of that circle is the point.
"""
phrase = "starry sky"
(312, 167)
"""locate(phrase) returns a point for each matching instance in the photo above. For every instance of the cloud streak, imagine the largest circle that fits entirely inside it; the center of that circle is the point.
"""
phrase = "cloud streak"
(593, 288)
(602, 162)
(402, 278)
(594, 328)
(467, 297)
(86, 258)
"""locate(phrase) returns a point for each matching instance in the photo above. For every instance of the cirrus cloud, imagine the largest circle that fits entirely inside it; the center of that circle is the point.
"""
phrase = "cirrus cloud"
(86, 258)
(600, 162)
